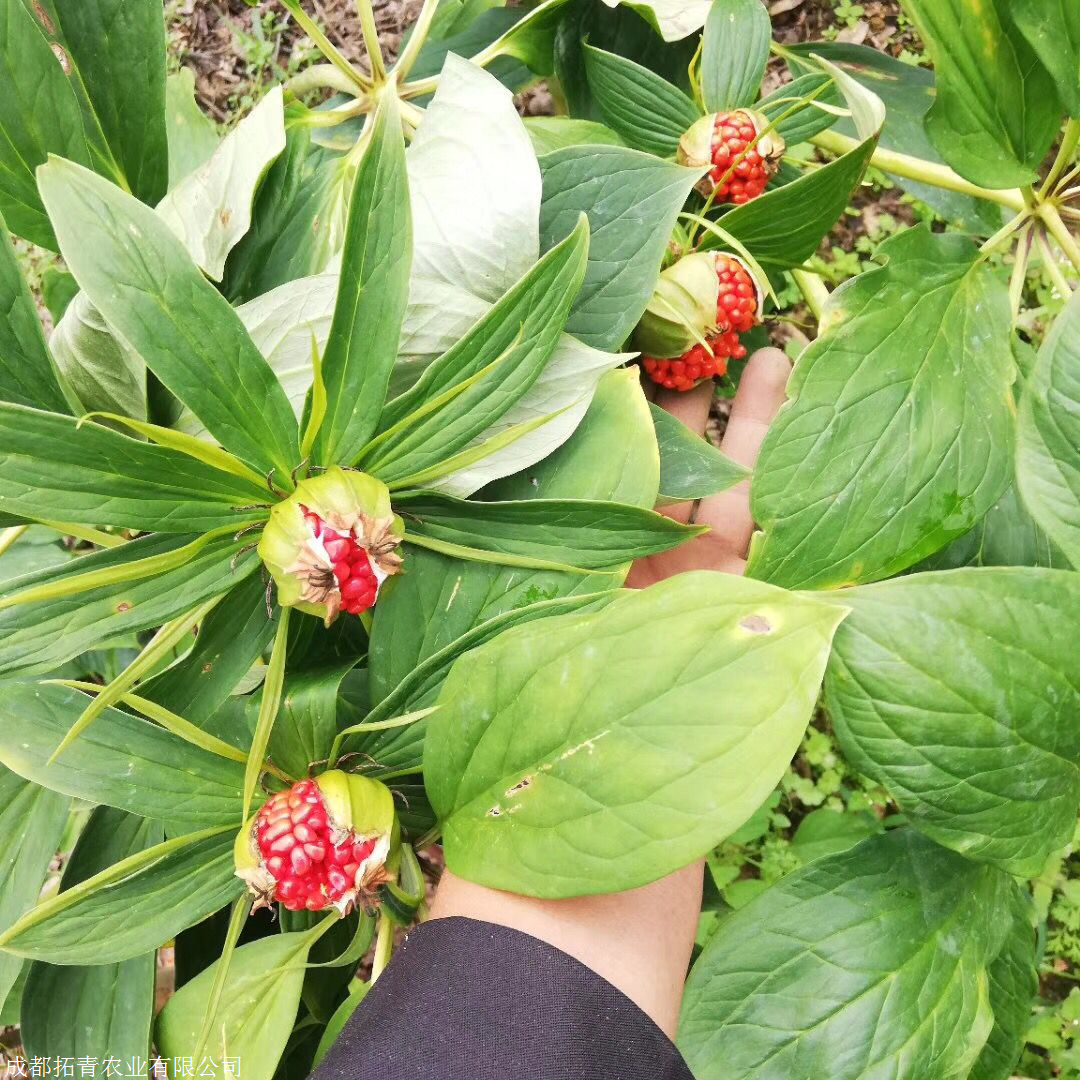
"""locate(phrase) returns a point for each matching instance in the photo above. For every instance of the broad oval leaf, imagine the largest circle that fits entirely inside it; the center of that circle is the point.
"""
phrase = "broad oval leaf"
(852, 483)
(1048, 452)
(120, 760)
(734, 51)
(646, 110)
(133, 906)
(257, 1012)
(632, 201)
(996, 110)
(1052, 29)
(593, 753)
(100, 1009)
(32, 820)
(867, 964)
(958, 692)
(148, 289)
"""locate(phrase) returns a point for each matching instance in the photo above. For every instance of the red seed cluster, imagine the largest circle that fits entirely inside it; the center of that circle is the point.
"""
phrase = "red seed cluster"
(736, 312)
(733, 132)
(293, 835)
(352, 566)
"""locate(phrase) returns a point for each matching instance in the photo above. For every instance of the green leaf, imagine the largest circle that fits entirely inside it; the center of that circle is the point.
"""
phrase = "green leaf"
(372, 294)
(1014, 981)
(645, 110)
(867, 964)
(520, 332)
(102, 373)
(674, 19)
(851, 484)
(593, 753)
(133, 906)
(39, 115)
(1048, 451)
(996, 110)
(58, 289)
(123, 761)
(193, 136)
(632, 202)
(954, 690)
(114, 54)
(550, 133)
(36, 638)
(690, 466)
(98, 1010)
(259, 1002)
(800, 126)
(269, 704)
(829, 832)
(156, 299)
(31, 823)
(28, 374)
(1052, 29)
(582, 533)
(340, 1018)
(210, 209)
(53, 467)
(307, 722)
(783, 227)
(231, 640)
(735, 49)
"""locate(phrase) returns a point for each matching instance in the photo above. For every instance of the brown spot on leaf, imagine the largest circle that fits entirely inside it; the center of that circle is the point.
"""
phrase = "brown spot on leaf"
(122, 607)
(225, 216)
(61, 55)
(495, 811)
(207, 668)
(756, 624)
(43, 18)
(519, 787)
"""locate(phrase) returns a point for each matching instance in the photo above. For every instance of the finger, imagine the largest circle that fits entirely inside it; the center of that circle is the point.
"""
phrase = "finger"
(691, 406)
(761, 393)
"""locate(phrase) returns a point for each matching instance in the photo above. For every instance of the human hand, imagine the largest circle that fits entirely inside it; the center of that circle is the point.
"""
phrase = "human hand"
(641, 940)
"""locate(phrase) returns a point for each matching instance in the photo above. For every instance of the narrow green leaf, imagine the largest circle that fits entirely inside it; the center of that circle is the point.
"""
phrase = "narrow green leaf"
(97, 1010)
(644, 109)
(865, 964)
(192, 135)
(32, 820)
(531, 314)
(123, 761)
(133, 906)
(372, 294)
(154, 296)
(237, 919)
(589, 535)
(28, 374)
(39, 115)
(307, 721)
(734, 51)
(36, 638)
(690, 466)
(52, 467)
(596, 752)
(550, 133)
(269, 702)
(318, 402)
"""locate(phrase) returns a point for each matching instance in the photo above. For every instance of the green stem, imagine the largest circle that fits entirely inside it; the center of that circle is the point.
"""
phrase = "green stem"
(1057, 228)
(1052, 267)
(329, 76)
(1069, 141)
(1019, 271)
(384, 946)
(913, 168)
(375, 725)
(813, 289)
(325, 45)
(269, 704)
(232, 936)
(1005, 232)
(371, 41)
(84, 532)
(420, 31)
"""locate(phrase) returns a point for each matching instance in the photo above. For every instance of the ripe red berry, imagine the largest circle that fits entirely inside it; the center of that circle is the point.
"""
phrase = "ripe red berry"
(741, 154)
(351, 568)
(737, 311)
(311, 867)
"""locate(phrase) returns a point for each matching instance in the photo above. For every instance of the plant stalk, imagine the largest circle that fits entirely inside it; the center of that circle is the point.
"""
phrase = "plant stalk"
(371, 41)
(420, 31)
(1019, 271)
(325, 45)
(913, 168)
(813, 289)
(1059, 231)
(1052, 267)
(330, 76)
(1066, 150)
(384, 947)
(9, 536)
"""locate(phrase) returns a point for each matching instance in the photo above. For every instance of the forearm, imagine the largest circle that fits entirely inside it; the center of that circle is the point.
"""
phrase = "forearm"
(639, 941)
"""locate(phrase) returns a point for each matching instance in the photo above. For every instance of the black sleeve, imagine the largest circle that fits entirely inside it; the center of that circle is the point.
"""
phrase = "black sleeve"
(468, 1000)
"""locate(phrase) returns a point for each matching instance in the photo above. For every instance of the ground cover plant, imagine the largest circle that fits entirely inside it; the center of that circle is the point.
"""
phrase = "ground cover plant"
(343, 420)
